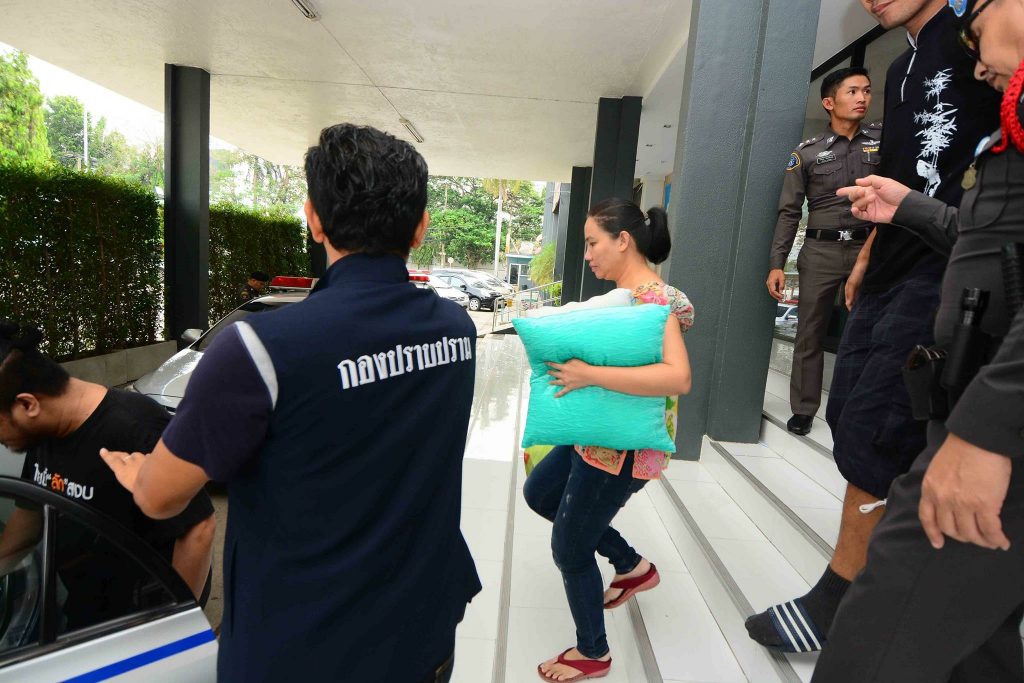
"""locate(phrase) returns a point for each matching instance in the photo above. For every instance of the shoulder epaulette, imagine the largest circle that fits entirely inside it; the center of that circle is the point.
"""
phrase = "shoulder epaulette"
(809, 142)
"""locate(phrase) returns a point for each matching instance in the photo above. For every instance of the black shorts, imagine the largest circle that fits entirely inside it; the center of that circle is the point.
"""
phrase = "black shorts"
(876, 437)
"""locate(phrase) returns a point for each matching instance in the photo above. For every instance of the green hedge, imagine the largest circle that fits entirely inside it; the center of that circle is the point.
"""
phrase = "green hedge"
(80, 258)
(242, 241)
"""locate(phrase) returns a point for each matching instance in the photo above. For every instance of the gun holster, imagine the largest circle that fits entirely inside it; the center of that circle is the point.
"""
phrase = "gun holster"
(922, 374)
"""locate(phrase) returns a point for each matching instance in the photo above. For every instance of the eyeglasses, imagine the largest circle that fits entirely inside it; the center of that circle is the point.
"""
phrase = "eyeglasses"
(968, 40)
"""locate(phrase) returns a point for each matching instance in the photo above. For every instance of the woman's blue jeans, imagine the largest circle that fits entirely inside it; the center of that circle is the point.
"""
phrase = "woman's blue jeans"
(581, 501)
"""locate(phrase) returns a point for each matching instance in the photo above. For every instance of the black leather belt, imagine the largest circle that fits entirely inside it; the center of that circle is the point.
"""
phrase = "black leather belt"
(838, 235)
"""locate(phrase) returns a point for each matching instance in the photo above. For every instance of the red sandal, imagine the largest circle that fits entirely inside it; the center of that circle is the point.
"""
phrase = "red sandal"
(631, 587)
(588, 668)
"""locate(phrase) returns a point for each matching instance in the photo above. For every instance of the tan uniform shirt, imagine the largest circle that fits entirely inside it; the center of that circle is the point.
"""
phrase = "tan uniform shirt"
(817, 168)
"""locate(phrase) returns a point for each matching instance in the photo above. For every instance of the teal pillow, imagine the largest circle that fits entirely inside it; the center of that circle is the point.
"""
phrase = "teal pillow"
(625, 336)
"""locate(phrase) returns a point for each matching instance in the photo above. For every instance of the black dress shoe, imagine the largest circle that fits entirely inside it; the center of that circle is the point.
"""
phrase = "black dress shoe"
(800, 424)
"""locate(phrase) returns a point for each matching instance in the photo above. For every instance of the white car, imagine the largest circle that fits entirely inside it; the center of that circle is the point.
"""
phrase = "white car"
(446, 291)
(159, 633)
(786, 318)
(166, 385)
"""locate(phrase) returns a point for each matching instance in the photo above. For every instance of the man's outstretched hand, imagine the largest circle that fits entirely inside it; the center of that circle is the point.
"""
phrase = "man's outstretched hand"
(875, 199)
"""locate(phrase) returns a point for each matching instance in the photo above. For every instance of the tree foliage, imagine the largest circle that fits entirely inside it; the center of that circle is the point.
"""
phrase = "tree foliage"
(81, 257)
(542, 266)
(463, 213)
(243, 240)
(22, 128)
(240, 177)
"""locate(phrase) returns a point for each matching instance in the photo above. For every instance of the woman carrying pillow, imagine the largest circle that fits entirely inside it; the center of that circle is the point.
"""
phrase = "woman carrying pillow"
(581, 488)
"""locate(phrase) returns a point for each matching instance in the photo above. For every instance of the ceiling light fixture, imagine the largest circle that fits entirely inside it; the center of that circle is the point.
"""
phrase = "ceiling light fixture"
(307, 9)
(412, 129)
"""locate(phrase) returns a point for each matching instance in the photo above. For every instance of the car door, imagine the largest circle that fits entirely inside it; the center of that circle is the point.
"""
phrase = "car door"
(84, 599)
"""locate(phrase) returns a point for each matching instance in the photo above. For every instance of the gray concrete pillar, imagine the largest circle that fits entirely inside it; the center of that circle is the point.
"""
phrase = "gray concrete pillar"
(743, 108)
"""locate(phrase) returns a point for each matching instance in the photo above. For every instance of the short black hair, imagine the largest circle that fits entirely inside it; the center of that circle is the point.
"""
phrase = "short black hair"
(259, 275)
(368, 188)
(830, 84)
(24, 369)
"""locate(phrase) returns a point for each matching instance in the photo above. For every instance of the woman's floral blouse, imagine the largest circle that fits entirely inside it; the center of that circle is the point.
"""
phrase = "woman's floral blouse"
(648, 463)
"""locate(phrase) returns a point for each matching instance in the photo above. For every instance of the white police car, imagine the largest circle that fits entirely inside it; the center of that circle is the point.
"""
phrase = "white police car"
(157, 632)
(166, 385)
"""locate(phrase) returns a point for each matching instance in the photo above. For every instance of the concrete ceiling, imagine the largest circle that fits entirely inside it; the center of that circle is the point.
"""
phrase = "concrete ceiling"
(496, 90)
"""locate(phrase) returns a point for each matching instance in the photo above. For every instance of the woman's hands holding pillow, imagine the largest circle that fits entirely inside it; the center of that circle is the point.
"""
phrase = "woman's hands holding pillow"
(571, 375)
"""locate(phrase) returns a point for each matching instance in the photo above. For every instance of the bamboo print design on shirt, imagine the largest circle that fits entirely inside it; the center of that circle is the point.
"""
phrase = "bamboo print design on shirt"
(937, 134)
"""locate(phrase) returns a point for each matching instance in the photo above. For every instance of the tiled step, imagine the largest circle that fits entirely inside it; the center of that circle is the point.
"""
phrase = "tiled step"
(736, 567)
(794, 513)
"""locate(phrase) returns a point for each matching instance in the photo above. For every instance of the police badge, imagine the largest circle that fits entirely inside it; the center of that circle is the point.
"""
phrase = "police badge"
(959, 7)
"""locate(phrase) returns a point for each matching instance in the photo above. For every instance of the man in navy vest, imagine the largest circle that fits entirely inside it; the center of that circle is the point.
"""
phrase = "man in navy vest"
(339, 425)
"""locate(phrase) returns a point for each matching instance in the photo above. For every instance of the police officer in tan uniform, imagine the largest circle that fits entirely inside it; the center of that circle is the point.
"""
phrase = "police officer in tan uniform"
(254, 287)
(818, 167)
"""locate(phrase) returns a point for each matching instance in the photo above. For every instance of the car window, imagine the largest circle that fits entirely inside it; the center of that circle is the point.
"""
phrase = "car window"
(20, 574)
(97, 581)
(234, 316)
(457, 281)
(781, 310)
(439, 283)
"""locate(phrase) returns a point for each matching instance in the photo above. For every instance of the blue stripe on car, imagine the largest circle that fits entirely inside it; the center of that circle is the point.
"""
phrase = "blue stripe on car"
(145, 658)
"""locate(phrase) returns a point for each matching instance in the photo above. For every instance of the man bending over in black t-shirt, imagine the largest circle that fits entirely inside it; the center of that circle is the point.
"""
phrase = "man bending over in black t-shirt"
(61, 423)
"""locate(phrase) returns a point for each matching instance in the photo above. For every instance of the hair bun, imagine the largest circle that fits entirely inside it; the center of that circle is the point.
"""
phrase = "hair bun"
(29, 339)
(20, 338)
(8, 330)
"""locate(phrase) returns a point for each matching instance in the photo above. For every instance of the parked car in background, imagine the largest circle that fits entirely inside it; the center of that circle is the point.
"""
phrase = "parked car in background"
(488, 279)
(786, 318)
(446, 291)
(481, 294)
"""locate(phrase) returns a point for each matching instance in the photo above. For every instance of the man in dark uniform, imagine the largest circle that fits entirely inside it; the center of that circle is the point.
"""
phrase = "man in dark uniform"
(817, 168)
(339, 424)
(254, 287)
(942, 595)
(935, 115)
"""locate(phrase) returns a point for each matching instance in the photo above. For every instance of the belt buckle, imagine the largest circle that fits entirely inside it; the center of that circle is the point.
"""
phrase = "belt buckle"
(845, 235)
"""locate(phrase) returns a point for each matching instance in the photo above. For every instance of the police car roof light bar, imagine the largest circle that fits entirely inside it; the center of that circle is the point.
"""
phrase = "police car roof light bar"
(293, 282)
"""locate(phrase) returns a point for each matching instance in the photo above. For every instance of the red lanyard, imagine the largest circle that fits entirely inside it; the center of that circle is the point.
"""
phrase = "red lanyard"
(1008, 114)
